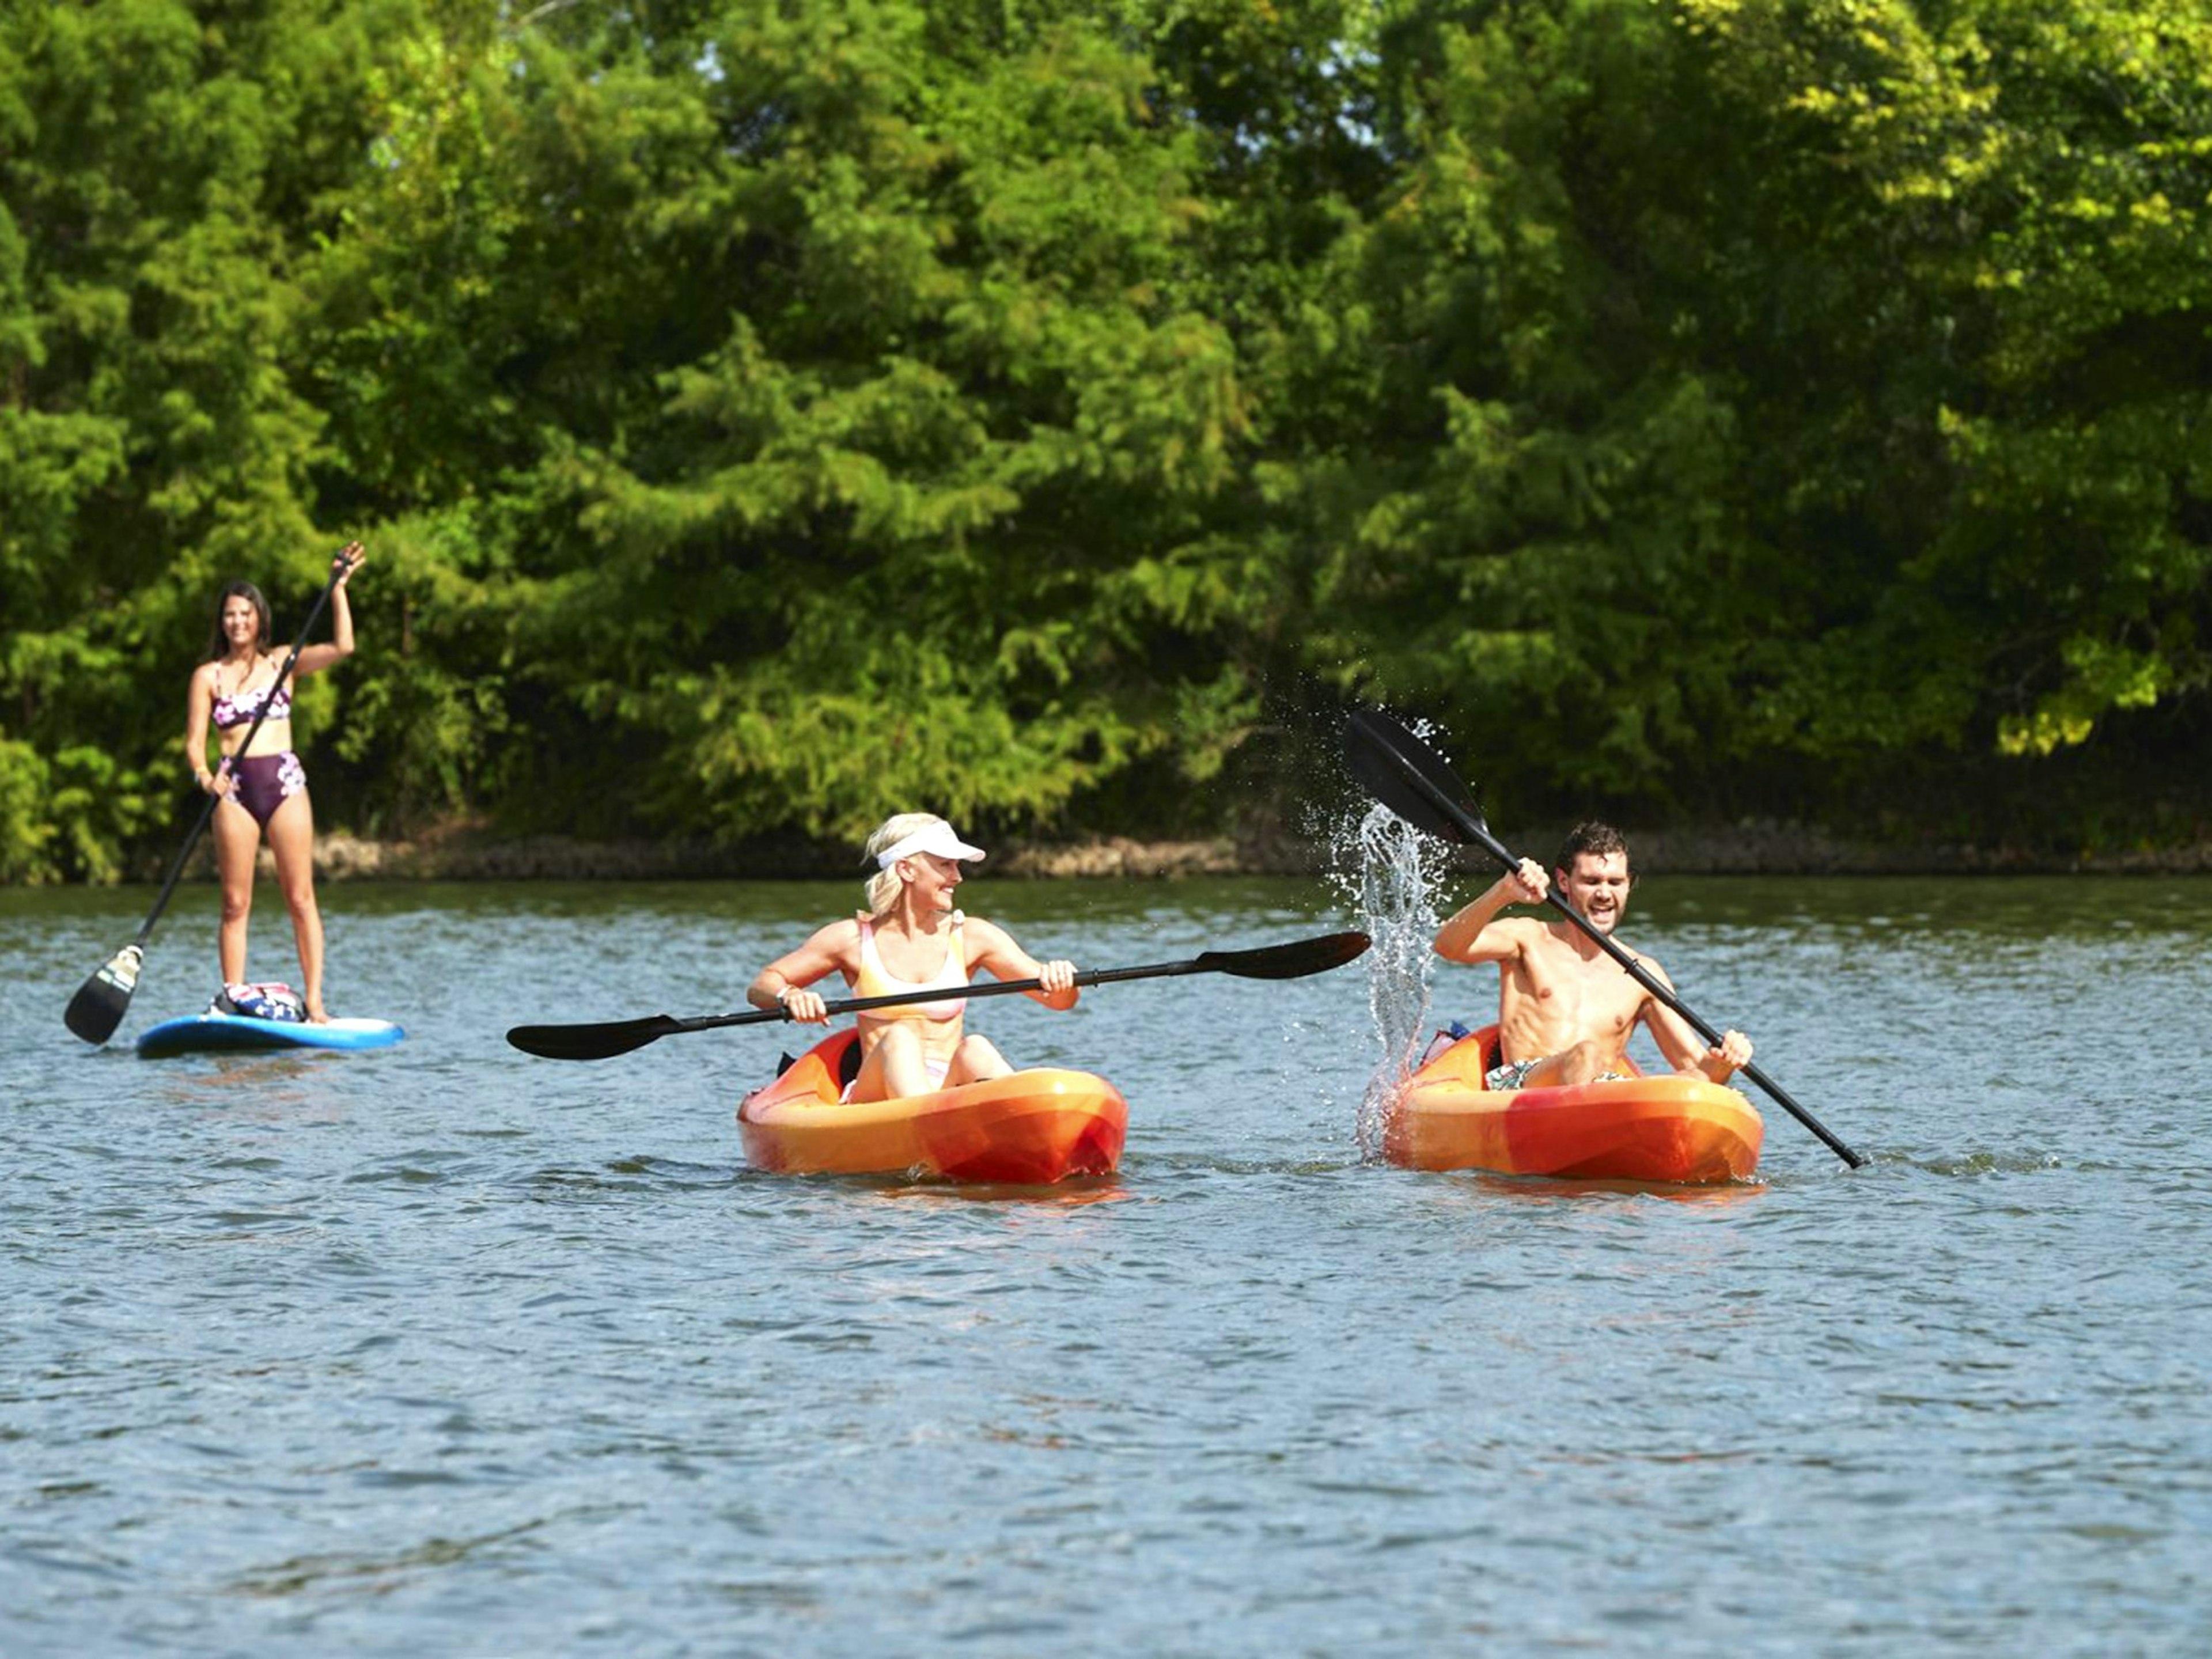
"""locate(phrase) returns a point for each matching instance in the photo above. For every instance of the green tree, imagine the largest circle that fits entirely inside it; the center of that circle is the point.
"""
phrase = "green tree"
(931, 387)
(763, 417)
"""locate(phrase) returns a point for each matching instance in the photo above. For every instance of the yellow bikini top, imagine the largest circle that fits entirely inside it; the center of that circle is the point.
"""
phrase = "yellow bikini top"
(876, 981)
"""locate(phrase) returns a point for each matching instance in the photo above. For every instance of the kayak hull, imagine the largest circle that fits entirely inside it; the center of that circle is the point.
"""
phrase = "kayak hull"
(213, 1033)
(1673, 1129)
(1030, 1128)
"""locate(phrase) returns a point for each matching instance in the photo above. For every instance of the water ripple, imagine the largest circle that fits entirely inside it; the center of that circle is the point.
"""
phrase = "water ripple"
(447, 1350)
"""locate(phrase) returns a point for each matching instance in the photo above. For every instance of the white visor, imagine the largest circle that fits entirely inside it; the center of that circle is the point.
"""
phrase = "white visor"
(936, 838)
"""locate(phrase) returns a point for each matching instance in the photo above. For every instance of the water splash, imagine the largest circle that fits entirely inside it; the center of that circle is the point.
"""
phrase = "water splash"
(1390, 874)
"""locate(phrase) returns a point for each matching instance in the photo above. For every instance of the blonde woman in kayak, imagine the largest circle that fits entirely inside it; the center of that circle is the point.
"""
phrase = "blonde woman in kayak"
(1565, 1009)
(911, 938)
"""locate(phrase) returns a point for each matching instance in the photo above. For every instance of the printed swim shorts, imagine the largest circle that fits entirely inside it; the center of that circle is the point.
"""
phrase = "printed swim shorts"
(1504, 1078)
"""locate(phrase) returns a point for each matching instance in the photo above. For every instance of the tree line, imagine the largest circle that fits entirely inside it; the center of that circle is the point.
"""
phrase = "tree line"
(763, 417)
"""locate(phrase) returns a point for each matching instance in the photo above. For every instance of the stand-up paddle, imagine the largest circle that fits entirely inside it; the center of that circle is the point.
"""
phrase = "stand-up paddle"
(99, 1006)
(1419, 785)
(1292, 961)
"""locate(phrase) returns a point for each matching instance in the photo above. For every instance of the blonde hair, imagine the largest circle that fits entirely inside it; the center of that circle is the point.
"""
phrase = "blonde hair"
(884, 885)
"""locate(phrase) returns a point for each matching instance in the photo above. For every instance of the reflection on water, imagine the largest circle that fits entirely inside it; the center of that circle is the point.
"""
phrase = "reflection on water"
(1071, 1194)
(1544, 1190)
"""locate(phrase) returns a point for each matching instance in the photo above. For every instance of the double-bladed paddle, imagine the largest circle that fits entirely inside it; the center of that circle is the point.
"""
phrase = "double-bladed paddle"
(1292, 961)
(100, 1003)
(1419, 785)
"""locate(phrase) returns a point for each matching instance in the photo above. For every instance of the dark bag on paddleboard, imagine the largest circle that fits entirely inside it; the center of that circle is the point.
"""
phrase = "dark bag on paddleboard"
(260, 1002)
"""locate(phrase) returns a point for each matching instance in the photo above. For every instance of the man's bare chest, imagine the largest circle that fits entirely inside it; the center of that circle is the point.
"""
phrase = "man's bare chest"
(1561, 981)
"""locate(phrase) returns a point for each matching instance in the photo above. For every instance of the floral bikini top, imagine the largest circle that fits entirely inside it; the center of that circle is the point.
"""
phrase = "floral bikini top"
(241, 707)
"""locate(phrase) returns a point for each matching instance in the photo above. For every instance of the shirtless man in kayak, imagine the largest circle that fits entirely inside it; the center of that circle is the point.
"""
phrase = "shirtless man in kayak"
(1565, 1009)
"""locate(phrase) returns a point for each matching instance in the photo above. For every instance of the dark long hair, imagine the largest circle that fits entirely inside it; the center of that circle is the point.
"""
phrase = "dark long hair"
(219, 646)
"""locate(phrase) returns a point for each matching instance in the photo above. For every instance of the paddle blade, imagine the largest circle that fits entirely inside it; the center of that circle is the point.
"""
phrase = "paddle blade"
(601, 1041)
(98, 1007)
(1292, 961)
(1410, 778)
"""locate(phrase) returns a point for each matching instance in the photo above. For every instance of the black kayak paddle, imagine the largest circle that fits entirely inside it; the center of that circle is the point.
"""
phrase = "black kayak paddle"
(1292, 961)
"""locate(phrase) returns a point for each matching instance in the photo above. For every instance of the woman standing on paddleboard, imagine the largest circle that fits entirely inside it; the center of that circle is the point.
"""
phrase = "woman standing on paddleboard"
(911, 938)
(264, 793)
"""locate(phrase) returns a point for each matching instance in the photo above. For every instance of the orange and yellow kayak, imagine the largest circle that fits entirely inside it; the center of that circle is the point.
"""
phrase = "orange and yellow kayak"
(1642, 1129)
(1029, 1128)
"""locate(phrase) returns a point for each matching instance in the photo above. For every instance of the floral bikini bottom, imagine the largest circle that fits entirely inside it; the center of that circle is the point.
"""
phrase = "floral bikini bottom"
(266, 782)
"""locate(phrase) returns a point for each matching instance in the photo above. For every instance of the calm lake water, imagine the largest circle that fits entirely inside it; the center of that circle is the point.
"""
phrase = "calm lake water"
(445, 1350)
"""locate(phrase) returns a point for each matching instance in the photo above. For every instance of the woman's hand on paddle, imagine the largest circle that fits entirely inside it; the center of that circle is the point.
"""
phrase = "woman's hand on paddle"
(1055, 984)
(803, 1007)
(348, 559)
(219, 782)
(781, 988)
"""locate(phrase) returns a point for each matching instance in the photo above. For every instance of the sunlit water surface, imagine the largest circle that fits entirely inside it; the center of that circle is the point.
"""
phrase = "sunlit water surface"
(449, 1350)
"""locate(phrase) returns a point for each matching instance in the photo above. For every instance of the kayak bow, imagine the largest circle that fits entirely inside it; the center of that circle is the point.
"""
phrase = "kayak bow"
(1667, 1128)
(1028, 1128)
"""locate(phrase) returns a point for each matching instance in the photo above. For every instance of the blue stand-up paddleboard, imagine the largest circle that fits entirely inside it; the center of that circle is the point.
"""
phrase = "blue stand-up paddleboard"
(211, 1033)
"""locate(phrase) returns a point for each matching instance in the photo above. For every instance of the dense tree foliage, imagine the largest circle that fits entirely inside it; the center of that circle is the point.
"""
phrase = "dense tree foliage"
(763, 417)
